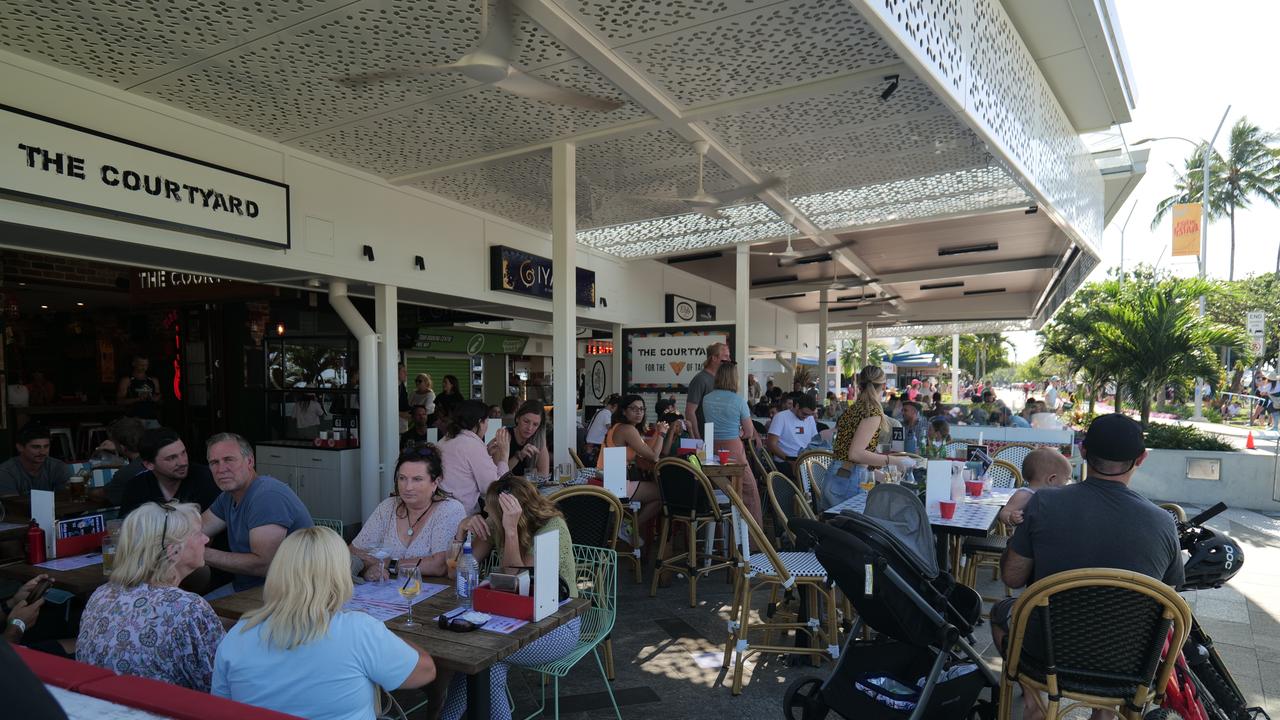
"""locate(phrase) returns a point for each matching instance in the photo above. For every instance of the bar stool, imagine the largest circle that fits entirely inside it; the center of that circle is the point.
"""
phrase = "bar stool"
(86, 432)
(61, 445)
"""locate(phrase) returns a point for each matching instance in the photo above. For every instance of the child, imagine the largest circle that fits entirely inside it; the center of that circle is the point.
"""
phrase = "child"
(1044, 467)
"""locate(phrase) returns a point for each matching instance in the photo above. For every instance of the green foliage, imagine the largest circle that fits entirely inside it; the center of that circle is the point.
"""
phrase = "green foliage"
(1141, 331)
(1165, 436)
(979, 354)
(851, 356)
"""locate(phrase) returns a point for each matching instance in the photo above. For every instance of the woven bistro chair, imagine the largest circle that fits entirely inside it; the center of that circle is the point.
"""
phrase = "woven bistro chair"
(688, 497)
(594, 516)
(955, 447)
(811, 469)
(778, 571)
(1098, 635)
(777, 487)
(577, 461)
(1015, 453)
(760, 460)
(1005, 475)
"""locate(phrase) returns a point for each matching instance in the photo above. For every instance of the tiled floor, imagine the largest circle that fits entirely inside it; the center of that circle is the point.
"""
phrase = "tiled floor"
(668, 654)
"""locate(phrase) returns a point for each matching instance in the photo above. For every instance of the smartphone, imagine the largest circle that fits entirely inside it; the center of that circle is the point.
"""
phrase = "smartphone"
(39, 590)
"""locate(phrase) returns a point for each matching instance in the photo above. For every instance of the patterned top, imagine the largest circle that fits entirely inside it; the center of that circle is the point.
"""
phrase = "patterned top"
(847, 425)
(379, 530)
(163, 633)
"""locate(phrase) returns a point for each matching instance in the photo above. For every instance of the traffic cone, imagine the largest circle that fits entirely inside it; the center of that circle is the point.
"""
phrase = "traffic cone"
(1248, 444)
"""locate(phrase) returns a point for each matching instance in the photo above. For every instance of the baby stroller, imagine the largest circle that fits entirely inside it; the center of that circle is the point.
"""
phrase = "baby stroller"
(921, 663)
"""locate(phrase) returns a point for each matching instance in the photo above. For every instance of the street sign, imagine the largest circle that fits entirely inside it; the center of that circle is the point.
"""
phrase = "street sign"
(1256, 344)
(1255, 322)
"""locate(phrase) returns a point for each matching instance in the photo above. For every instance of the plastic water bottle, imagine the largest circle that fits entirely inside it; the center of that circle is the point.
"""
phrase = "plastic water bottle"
(468, 574)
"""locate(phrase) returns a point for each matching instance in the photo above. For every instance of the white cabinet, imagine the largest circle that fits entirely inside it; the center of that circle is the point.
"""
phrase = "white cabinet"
(326, 481)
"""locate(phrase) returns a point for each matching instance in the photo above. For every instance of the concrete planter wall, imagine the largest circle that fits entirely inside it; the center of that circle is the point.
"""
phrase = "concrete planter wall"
(1247, 479)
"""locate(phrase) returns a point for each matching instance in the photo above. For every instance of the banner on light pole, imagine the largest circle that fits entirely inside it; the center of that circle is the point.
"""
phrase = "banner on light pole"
(1186, 229)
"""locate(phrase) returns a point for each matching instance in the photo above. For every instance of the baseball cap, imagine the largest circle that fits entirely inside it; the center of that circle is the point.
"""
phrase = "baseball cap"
(1114, 437)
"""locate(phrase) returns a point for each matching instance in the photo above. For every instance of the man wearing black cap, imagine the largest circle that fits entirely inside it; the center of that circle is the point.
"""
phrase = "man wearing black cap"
(1098, 523)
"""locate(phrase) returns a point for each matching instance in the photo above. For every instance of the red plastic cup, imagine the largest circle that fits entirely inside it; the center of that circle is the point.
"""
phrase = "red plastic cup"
(723, 456)
(973, 487)
(947, 508)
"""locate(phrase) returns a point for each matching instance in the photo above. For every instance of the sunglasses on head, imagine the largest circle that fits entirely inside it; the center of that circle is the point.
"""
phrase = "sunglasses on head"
(168, 507)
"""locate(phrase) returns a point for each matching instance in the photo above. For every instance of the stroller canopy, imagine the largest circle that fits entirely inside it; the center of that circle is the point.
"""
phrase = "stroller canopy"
(898, 510)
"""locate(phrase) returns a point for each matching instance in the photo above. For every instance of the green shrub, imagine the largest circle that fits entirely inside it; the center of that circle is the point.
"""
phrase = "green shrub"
(1166, 436)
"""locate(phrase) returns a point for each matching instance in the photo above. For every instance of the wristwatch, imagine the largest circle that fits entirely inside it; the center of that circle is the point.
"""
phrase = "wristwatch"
(17, 622)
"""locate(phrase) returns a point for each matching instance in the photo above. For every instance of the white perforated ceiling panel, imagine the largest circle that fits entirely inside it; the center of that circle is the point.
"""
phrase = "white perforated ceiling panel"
(785, 87)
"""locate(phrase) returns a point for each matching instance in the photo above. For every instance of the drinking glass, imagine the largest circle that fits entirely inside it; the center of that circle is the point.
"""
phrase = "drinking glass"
(451, 560)
(564, 471)
(108, 554)
(410, 586)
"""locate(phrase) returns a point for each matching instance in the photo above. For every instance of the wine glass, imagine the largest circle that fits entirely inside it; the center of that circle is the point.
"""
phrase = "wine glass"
(410, 588)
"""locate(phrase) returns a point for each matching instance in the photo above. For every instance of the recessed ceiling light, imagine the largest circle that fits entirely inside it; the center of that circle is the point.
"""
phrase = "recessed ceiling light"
(79, 304)
(44, 307)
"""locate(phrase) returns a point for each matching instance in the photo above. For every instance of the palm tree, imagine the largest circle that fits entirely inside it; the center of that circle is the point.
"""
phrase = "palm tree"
(978, 353)
(1250, 169)
(851, 355)
(1154, 336)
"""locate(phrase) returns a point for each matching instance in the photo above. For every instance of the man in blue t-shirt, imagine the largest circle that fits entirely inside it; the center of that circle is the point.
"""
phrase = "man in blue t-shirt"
(257, 512)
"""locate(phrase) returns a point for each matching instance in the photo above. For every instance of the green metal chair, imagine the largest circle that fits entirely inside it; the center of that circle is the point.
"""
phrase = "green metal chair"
(332, 524)
(597, 582)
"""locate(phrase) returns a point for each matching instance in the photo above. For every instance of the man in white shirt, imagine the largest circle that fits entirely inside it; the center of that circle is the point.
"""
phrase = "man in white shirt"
(600, 426)
(790, 432)
(1051, 395)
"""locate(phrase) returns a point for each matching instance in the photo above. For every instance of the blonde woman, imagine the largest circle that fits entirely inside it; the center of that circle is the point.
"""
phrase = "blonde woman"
(140, 622)
(301, 654)
(423, 393)
(517, 512)
(858, 437)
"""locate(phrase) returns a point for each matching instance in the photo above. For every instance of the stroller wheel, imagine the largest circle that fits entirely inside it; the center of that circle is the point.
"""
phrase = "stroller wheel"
(803, 700)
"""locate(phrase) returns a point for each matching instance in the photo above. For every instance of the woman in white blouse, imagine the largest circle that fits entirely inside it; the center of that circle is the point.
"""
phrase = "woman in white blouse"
(416, 523)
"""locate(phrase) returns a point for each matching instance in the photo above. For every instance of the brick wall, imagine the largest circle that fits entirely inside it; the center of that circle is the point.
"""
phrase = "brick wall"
(35, 267)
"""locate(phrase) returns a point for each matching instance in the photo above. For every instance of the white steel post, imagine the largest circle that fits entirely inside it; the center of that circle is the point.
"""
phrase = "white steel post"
(384, 315)
(822, 345)
(564, 290)
(955, 369)
(742, 315)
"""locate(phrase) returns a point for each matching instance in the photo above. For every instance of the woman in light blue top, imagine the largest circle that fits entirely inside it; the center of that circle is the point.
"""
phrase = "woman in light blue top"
(728, 412)
(301, 653)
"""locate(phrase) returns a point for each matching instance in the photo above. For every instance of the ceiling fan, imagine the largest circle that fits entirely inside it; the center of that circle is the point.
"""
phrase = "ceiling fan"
(709, 204)
(491, 62)
(791, 256)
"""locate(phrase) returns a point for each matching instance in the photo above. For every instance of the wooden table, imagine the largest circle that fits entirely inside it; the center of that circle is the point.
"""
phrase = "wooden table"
(472, 653)
(80, 582)
(18, 507)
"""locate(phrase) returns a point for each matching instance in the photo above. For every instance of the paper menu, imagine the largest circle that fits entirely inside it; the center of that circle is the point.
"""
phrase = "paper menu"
(615, 471)
(938, 482)
(491, 429)
(546, 573)
(708, 441)
(433, 435)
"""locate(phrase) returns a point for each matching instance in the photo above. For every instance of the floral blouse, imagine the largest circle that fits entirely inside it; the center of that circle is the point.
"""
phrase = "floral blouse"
(379, 531)
(162, 633)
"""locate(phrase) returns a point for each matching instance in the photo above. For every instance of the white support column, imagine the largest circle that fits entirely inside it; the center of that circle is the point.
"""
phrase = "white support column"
(564, 290)
(367, 343)
(385, 318)
(955, 369)
(616, 360)
(822, 344)
(742, 315)
(865, 328)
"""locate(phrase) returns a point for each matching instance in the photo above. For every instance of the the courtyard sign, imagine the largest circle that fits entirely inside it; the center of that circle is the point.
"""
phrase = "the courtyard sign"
(48, 161)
